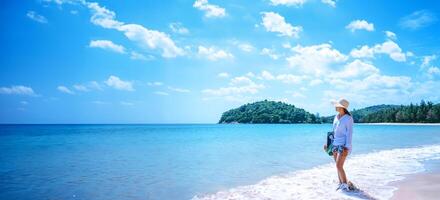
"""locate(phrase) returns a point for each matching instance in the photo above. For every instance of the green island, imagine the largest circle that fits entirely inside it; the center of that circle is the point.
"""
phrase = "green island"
(277, 112)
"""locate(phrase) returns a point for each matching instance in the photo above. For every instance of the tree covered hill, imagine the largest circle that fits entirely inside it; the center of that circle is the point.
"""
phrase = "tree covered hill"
(268, 112)
(279, 112)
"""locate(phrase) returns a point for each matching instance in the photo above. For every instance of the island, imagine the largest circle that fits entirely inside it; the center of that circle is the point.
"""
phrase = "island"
(277, 112)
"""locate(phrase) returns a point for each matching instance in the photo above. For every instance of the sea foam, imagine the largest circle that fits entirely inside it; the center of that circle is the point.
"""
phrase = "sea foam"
(371, 172)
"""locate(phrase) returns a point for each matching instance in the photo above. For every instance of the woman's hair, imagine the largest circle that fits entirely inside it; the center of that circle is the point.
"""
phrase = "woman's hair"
(346, 111)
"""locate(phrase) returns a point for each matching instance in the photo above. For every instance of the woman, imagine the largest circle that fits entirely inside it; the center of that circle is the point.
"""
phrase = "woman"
(343, 131)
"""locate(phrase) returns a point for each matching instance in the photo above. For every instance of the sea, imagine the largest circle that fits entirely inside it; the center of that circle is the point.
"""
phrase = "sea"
(206, 161)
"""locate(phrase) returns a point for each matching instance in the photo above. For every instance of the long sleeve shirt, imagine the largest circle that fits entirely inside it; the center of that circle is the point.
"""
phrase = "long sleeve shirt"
(343, 131)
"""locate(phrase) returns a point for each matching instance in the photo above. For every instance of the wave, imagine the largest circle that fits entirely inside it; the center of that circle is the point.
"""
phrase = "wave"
(371, 172)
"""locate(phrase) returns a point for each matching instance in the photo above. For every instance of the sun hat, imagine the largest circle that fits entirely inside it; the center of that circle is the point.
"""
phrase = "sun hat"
(343, 103)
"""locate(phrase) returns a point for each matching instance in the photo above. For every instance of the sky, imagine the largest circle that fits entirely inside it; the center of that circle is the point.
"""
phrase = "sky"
(188, 61)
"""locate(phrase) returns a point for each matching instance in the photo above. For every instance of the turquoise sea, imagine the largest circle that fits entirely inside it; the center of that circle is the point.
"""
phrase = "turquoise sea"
(204, 161)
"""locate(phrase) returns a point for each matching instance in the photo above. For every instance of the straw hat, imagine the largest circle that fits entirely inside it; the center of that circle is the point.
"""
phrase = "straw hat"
(343, 103)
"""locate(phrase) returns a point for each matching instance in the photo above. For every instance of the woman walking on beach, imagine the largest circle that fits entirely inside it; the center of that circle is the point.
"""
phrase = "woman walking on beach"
(343, 130)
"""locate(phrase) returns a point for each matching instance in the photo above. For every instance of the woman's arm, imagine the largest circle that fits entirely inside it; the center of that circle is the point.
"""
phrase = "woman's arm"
(349, 134)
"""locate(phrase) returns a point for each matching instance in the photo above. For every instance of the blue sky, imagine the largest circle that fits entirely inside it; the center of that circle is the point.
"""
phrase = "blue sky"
(187, 61)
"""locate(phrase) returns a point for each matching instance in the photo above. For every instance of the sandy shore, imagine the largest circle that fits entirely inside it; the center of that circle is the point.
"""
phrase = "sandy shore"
(424, 186)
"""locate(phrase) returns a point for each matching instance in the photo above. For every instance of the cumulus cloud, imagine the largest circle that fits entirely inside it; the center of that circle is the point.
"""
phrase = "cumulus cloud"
(116, 83)
(315, 59)
(144, 37)
(285, 78)
(64, 89)
(356, 69)
(17, 90)
(241, 85)
(271, 53)
(214, 54)
(107, 45)
(36, 17)
(273, 22)
(389, 47)
(360, 25)
(210, 10)
(418, 19)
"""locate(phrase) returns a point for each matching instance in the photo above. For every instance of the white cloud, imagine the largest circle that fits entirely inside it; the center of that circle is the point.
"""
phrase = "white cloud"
(273, 22)
(64, 89)
(267, 75)
(285, 78)
(161, 93)
(355, 69)
(433, 71)
(360, 25)
(271, 53)
(178, 27)
(156, 83)
(81, 88)
(117, 83)
(315, 82)
(390, 35)
(145, 37)
(392, 49)
(363, 52)
(107, 45)
(246, 47)
(331, 3)
(237, 86)
(18, 90)
(36, 17)
(210, 10)
(181, 90)
(223, 75)
(152, 39)
(389, 47)
(315, 59)
(427, 61)
(138, 56)
(214, 54)
(87, 87)
(296, 3)
(418, 19)
(290, 78)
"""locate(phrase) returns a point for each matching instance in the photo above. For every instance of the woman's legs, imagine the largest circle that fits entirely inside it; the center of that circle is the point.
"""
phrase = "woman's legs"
(340, 159)
(335, 154)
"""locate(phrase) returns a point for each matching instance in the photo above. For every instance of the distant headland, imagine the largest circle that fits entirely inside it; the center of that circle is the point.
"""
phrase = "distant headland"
(277, 112)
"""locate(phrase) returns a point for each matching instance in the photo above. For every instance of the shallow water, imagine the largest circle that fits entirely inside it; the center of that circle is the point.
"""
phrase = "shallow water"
(197, 161)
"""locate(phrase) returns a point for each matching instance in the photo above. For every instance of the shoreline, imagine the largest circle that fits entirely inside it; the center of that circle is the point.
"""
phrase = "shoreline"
(422, 185)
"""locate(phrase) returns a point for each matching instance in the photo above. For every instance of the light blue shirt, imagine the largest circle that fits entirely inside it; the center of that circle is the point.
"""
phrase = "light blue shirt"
(343, 131)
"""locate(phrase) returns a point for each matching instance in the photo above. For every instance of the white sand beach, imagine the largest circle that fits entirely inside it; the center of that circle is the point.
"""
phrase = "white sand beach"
(424, 186)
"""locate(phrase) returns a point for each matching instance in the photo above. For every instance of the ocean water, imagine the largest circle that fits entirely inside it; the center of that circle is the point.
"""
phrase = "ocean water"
(205, 161)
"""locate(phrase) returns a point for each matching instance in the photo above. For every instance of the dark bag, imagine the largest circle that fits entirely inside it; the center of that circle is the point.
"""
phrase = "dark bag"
(330, 137)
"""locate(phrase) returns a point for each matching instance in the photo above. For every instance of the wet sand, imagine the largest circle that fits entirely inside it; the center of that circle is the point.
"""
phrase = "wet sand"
(424, 186)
